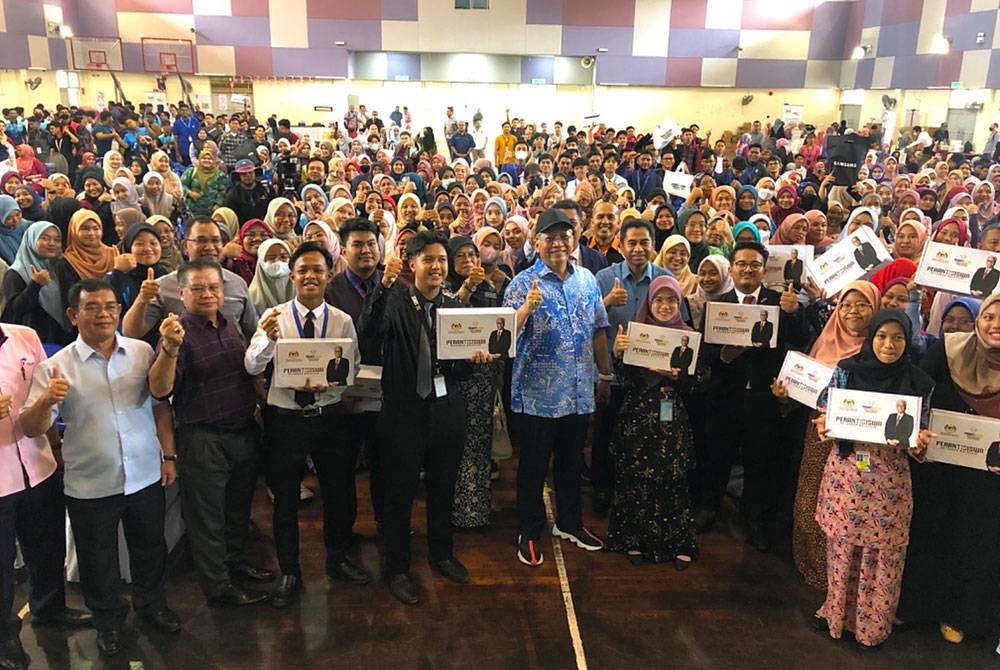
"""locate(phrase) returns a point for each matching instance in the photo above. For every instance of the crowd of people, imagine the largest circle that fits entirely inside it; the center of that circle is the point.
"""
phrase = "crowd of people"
(155, 259)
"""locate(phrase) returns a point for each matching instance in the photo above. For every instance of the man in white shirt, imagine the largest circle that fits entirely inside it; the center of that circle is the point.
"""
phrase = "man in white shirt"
(309, 421)
(481, 139)
(119, 455)
(923, 139)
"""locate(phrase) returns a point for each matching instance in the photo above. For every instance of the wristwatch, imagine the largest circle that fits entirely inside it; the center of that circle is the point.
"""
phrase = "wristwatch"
(169, 457)
(605, 378)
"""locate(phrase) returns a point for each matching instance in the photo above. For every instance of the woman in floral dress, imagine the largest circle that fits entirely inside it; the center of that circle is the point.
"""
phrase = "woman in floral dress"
(865, 499)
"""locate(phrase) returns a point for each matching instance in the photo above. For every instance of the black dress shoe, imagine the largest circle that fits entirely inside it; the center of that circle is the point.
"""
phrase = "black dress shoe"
(234, 596)
(704, 520)
(165, 621)
(249, 573)
(288, 588)
(109, 642)
(348, 572)
(67, 617)
(13, 656)
(452, 569)
(602, 502)
(404, 589)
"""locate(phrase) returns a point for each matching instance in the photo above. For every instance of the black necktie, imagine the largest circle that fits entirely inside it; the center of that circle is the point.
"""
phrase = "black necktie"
(425, 375)
(306, 398)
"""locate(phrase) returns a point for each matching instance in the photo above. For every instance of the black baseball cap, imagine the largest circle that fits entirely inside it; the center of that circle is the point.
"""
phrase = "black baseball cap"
(552, 218)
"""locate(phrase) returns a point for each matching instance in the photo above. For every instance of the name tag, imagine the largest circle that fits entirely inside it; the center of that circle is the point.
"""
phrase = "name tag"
(863, 459)
(666, 410)
(440, 388)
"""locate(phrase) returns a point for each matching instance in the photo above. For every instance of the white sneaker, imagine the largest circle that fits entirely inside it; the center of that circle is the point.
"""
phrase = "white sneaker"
(305, 493)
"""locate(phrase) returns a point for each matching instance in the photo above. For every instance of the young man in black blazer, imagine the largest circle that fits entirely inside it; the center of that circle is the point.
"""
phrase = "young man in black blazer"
(742, 413)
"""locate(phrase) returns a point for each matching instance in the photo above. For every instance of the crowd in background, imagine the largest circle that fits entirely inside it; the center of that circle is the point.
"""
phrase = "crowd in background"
(211, 237)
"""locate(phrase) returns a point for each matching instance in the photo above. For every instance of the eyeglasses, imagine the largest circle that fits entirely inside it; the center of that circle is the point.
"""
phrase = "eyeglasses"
(93, 310)
(198, 289)
(860, 307)
(206, 241)
(257, 236)
(756, 266)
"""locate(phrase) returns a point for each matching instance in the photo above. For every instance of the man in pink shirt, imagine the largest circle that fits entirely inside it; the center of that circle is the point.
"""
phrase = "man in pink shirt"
(31, 503)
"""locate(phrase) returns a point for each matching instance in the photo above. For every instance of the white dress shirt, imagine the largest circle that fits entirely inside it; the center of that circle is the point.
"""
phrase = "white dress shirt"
(261, 349)
(110, 446)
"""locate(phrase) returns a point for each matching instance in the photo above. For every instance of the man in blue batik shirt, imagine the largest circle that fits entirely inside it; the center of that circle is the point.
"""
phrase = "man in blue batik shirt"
(561, 321)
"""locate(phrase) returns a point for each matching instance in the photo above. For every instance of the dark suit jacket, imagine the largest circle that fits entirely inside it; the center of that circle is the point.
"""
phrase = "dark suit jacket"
(682, 359)
(993, 456)
(900, 431)
(500, 343)
(983, 282)
(866, 255)
(793, 272)
(336, 373)
(762, 333)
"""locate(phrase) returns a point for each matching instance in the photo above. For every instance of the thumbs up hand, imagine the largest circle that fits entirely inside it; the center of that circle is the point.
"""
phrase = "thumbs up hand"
(5, 404)
(534, 297)
(621, 342)
(149, 289)
(125, 262)
(57, 388)
(789, 300)
(617, 296)
(393, 266)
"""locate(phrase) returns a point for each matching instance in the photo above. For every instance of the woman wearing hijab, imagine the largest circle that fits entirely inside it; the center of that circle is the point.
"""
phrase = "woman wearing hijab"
(865, 499)
(272, 283)
(664, 223)
(951, 231)
(61, 210)
(31, 289)
(466, 283)
(110, 164)
(227, 221)
(155, 200)
(86, 256)
(817, 235)
(952, 572)
(746, 231)
(959, 316)
(28, 165)
(650, 517)
(159, 162)
(675, 255)
(842, 336)
(692, 224)
(490, 245)
(124, 220)
(204, 184)
(321, 233)
(282, 216)
(713, 282)
(12, 227)
(786, 201)
(171, 257)
(124, 195)
(314, 204)
(140, 255)
(792, 230)
(241, 254)
(746, 202)
(29, 202)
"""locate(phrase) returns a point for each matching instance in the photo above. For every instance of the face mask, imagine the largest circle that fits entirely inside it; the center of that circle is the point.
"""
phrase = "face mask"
(374, 146)
(765, 194)
(275, 269)
(765, 236)
(521, 155)
(488, 255)
(365, 169)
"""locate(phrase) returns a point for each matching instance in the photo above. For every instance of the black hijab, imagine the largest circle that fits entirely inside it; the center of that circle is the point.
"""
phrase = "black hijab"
(454, 244)
(867, 373)
(34, 211)
(60, 211)
(662, 235)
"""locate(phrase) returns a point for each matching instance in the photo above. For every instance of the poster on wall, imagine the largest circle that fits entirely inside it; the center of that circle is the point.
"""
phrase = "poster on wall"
(155, 98)
(202, 102)
(791, 113)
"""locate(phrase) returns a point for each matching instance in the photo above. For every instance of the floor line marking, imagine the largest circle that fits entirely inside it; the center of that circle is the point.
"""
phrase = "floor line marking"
(567, 594)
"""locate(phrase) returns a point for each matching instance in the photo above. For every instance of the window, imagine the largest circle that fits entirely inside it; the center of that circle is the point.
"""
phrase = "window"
(472, 4)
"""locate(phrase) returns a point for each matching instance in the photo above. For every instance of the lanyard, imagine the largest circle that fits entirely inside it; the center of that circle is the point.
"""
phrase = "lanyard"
(298, 321)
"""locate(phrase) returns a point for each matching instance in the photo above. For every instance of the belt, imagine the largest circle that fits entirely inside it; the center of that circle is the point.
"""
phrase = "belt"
(308, 412)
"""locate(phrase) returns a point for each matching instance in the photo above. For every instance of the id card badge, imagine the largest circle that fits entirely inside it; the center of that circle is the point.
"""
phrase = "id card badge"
(666, 410)
(863, 459)
(440, 388)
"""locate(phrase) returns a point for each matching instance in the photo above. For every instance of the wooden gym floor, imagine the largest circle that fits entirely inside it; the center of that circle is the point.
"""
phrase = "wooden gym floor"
(735, 608)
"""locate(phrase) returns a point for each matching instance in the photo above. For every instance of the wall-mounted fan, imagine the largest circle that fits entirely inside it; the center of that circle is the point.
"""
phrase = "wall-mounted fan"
(587, 62)
(33, 83)
(746, 100)
(888, 103)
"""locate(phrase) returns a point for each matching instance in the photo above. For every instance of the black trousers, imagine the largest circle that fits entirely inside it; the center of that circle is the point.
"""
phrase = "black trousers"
(561, 440)
(218, 471)
(95, 527)
(746, 425)
(326, 440)
(35, 517)
(364, 435)
(417, 434)
(602, 470)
